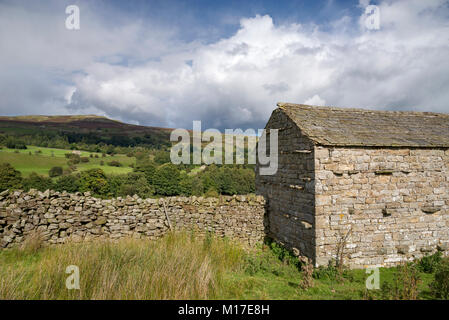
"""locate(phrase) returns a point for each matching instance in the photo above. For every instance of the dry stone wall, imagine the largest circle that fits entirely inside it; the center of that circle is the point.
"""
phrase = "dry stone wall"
(60, 217)
(394, 201)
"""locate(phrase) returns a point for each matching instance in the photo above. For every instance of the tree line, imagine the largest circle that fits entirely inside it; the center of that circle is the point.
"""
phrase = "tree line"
(148, 179)
(92, 142)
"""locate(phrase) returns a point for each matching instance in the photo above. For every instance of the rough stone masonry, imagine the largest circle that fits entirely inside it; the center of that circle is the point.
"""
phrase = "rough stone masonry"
(61, 217)
(371, 187)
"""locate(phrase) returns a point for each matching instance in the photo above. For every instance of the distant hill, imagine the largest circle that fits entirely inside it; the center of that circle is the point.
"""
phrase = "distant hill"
(75, 121)
(91, 129)
(88, 127)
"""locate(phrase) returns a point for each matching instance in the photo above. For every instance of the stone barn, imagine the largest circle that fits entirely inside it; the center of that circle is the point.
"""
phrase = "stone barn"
(371, 187)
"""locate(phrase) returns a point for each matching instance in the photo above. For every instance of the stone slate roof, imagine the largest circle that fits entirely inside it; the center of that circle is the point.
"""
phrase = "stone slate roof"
(331, 126)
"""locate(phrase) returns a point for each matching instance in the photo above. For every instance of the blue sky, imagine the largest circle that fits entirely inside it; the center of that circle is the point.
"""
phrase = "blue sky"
(210, 20)
(196, 18)
(227, 63)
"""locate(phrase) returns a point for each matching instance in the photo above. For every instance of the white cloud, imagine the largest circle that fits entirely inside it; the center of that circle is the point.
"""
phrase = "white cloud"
(236, 81)
(315, 101)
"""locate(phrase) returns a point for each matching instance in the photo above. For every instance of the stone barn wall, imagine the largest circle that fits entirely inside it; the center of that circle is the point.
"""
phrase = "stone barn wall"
(59, 217)
(396, 201)
(290, 192)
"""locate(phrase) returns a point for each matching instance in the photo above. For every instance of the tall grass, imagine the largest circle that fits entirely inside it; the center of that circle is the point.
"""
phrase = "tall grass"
(178, 266)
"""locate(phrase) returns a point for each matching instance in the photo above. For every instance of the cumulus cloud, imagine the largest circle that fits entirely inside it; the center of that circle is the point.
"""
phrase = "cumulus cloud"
(315, 101)
(141, 74)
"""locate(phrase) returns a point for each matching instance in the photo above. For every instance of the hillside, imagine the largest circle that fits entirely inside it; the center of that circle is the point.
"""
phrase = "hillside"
(91, 128)
(76, 122)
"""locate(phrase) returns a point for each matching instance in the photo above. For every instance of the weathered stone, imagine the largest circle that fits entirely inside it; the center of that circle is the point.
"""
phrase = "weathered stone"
(59, 216)
(306, 225)
(101, 221)
(430, 210)
(403, 249)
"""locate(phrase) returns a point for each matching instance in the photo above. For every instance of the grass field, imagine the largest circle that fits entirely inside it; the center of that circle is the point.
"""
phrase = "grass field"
(42, 162)
(178, 266)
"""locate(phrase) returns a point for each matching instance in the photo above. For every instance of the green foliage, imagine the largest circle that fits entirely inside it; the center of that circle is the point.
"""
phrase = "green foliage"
(115, 182)
(138, 186)
(271, 260)
(211, 179)
(211, 193)
(166, 180)
(332, 272)
(185, 185)
(73, 159)
(255, 264)
(67, 183)
(228, 180)
(197, 186)
(130, 184)
(405, 283)
(234, 180)
(429, 264)
(13, 143)
(114, 163)
(55, 172)
(329, 272)
(9, 177)
(162, 156)
(84, 159)
(141, 155)
(35, 181)
(283, 254)
(440, 284)
(94, 180)
(110, 150)
(148, 168)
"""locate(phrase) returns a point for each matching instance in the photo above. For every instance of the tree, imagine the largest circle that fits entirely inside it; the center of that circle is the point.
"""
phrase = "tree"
(114, 163)
(136, 183)
(148, 168)
(13, 143)
(73, 158)
(233, 180)
(55, 172)
(166, 180)
(228, 184)
(197, 186)
(94, 180)
(162, 156)
(67, 183)
(210, 178)
(35, 181)
(130, 184)
(9, 177)
(185, 185)
(110, 150)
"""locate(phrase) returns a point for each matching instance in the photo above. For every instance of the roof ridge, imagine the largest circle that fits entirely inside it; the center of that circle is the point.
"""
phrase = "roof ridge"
(334, 108)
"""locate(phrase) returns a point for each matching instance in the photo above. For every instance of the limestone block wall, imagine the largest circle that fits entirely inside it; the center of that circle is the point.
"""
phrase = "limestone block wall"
(394, 201)
(290, 192)
(60, 217)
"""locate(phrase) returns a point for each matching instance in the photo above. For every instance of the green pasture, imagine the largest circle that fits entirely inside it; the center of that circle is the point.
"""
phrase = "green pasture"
(41, 162)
